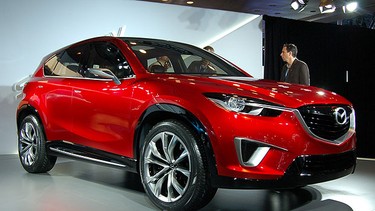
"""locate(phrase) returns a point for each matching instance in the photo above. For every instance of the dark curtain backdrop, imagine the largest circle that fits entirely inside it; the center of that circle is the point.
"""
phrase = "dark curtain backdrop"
(332, 52)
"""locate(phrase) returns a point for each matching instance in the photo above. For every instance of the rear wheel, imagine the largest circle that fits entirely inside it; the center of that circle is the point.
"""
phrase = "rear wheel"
(32, 146)
(173, 168)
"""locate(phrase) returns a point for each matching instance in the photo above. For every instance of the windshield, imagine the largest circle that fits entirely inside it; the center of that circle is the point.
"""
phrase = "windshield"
(176, 58)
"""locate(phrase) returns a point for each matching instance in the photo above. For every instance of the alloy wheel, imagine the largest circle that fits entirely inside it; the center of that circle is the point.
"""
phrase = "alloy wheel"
(28, 142)
(167, 166)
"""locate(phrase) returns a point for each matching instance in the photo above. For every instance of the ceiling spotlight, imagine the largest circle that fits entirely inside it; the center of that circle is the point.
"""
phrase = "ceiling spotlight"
(299, 4)
(327, 6)
(350, 6)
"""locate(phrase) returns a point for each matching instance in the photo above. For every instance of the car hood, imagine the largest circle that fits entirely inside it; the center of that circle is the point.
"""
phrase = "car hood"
(286, 94)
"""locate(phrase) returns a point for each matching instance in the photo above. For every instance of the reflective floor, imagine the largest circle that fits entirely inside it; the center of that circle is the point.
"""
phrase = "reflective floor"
(75, 186)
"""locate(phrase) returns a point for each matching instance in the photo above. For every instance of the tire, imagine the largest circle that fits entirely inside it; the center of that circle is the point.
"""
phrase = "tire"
(32, 146)
(173, 168)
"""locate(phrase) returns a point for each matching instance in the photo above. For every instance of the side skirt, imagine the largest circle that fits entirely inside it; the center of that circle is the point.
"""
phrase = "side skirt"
(78, 152)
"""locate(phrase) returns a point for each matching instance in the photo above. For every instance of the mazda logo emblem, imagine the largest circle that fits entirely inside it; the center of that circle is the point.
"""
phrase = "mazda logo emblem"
(340, 115)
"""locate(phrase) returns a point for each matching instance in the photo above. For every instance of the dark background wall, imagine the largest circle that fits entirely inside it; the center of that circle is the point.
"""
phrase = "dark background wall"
(332, 52)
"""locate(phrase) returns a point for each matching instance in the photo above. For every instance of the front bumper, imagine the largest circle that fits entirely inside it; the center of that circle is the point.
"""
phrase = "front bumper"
(304, 170)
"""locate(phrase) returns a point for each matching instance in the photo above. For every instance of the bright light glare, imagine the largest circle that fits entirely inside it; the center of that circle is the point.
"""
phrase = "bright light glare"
(327, 8)
(228, 31)
(351, 6)
(320, 93)
(294, 5)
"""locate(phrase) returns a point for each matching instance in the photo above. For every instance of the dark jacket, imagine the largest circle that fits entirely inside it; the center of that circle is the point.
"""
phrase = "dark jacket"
(298, 73)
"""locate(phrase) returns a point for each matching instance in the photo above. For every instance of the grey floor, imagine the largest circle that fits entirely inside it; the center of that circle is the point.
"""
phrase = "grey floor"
(75, 186)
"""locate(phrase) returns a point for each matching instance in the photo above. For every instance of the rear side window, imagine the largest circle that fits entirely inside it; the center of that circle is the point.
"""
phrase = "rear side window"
(66, 63)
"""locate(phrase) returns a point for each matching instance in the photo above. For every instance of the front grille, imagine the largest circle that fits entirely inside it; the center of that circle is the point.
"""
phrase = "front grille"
(327, 121)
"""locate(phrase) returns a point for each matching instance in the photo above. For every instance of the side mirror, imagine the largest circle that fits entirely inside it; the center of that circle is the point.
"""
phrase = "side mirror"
(104, 73)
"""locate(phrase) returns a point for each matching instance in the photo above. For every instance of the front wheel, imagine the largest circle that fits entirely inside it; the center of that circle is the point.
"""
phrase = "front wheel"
(173, 168)
(31, 146)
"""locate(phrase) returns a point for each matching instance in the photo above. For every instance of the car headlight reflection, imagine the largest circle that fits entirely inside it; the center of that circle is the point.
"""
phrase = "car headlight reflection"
(246, 105)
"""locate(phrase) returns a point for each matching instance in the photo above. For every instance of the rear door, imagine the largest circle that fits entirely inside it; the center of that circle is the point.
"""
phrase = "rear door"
(60, 70)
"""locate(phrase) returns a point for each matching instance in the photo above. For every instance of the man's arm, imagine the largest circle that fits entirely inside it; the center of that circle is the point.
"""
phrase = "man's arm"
(304, 74)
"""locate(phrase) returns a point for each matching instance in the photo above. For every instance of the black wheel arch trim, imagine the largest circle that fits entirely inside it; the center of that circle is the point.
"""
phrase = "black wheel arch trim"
(25, 110)
(163, 111)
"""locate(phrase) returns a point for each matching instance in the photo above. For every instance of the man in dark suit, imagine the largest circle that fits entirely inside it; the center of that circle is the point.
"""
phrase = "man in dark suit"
(161, 65)
(202, 66)
(294, 70)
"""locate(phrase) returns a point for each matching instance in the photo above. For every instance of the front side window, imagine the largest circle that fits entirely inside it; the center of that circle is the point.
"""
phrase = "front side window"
(107, 57)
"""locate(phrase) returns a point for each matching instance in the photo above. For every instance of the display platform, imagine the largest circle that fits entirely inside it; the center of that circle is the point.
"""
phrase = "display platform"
(74, 185)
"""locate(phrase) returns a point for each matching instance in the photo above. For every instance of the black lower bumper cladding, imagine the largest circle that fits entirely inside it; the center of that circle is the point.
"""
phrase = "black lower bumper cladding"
(304, 170)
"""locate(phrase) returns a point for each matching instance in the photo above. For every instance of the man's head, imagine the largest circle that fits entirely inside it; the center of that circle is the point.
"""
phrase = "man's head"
(205, 63)
(164, 60)
(291, 48)
(289, 52)
(209, 49)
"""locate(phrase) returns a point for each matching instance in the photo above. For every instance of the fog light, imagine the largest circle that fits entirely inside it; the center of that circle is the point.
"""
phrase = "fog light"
(250, 153)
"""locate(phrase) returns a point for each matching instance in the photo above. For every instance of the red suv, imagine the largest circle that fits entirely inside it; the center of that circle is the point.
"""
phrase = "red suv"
(185, 119)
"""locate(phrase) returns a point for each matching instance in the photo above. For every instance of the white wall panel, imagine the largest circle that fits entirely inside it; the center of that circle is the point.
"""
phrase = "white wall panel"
(8, 133)
(32, 29)
(243, 47)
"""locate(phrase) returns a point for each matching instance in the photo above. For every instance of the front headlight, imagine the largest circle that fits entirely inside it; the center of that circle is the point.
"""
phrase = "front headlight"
(235, 104)
(246, 105)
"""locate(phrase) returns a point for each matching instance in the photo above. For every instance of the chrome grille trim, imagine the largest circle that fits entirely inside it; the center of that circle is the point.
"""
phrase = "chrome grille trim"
(350, 131)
